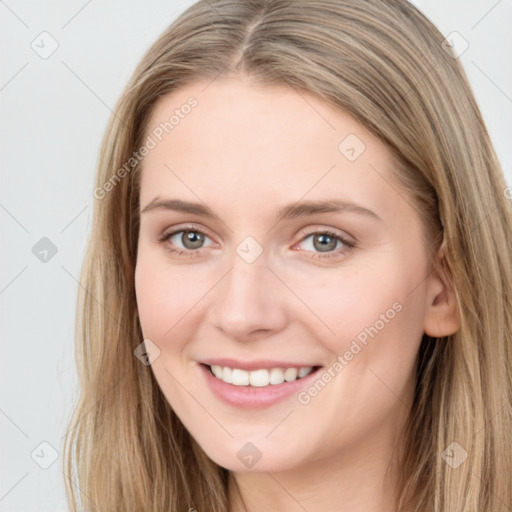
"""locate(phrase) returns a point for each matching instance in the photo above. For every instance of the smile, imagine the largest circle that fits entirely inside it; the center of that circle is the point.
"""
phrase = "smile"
(257, 383)
(261, 377)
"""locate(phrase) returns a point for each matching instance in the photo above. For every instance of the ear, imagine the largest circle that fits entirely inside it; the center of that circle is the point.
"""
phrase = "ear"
(441, 315)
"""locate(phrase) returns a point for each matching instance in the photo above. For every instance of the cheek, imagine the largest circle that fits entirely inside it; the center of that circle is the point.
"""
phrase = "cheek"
(376, 321)
(360, 303)
(164, 302)
(169, 297)
(372, 324)
(162, 297)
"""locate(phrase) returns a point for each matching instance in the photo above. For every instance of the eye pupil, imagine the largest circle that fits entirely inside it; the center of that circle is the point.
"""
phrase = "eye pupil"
(325, 247)
(192, 239)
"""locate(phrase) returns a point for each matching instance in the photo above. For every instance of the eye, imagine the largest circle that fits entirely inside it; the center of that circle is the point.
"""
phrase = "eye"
(326, 244)
(189, 242)
(191, 239)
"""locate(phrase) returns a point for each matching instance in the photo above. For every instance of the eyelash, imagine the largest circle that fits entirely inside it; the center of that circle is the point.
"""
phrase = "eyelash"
(191, 253)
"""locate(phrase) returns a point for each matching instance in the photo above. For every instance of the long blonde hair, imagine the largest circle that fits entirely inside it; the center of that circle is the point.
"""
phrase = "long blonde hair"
(383, 62)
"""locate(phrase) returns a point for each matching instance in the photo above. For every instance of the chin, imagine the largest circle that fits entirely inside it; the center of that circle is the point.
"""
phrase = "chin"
(248, 457)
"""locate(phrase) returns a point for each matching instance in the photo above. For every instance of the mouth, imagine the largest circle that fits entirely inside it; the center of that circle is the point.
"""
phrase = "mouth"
(259, 377)
(258, 384)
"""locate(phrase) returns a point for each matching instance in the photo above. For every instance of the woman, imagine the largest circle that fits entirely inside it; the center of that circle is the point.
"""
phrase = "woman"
(297, 291)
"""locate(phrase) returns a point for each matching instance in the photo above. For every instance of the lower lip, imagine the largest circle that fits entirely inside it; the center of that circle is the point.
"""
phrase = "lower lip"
(249, 397)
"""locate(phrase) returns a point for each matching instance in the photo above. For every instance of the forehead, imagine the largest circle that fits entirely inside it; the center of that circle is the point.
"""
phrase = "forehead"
(250, 144)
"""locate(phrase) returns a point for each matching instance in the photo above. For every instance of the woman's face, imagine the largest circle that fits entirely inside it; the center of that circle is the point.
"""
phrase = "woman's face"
(235, 270)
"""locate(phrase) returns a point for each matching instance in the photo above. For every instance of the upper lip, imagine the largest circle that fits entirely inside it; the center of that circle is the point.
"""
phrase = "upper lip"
(254, 364)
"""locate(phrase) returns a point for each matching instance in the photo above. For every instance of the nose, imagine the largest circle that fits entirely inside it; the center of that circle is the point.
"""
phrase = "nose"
(249, 302)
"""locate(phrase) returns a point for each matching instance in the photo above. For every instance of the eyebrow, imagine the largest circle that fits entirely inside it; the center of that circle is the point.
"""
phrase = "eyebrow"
(291, 211)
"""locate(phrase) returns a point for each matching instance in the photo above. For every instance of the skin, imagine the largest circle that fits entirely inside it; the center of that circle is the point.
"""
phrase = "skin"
(246, 150)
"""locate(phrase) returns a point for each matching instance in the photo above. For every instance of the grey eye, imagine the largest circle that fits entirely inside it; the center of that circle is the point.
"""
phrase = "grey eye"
(192, 239)
(321, 242)
(324, 243)
(188, 239)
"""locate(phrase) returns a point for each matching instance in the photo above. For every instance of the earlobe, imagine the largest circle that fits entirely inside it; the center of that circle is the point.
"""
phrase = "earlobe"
(442, 315)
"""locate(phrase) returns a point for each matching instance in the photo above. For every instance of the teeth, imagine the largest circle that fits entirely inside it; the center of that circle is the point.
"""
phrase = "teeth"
(240, 378)
(217, 371)
(304, 371)
(259, 378)
(290, 374)
(227, 375)
(276, 376)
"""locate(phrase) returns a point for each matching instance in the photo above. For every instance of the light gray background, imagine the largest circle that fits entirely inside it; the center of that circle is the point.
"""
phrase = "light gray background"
(53, 114)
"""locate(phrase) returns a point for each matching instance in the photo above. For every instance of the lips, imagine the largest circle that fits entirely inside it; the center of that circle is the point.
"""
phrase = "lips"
(260, 393)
